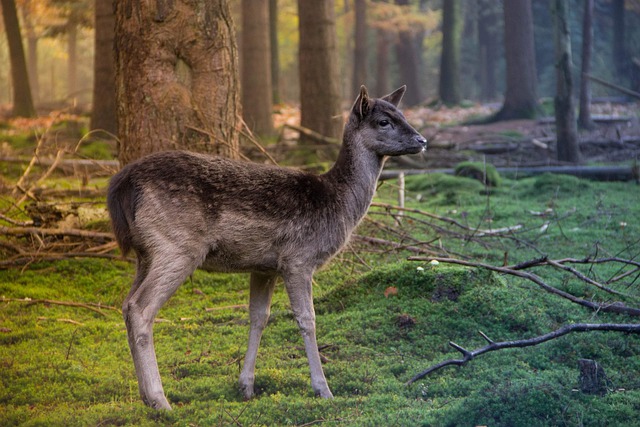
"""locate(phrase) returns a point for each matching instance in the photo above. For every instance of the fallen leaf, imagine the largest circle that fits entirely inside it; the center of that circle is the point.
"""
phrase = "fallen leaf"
(390, 291)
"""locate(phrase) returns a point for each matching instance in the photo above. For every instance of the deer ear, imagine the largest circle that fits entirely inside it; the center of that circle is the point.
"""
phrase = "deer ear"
(395, 96)
(361, 107)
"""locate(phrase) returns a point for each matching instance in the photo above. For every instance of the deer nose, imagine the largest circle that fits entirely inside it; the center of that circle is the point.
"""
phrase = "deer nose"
(421, 140)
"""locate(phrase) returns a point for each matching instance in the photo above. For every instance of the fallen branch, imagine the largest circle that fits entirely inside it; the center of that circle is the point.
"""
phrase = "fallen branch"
(313, 134)
(493, 346)
(25, 231)
(615, 307)
(88, 305)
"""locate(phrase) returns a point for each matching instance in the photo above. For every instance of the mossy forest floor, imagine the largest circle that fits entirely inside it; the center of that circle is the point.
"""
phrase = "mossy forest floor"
(380, 318)
(64, 365)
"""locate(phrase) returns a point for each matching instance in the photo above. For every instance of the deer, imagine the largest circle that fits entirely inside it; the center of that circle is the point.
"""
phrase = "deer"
(180, 211)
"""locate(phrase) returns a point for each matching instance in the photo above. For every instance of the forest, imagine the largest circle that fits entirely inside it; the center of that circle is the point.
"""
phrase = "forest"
(493, 280)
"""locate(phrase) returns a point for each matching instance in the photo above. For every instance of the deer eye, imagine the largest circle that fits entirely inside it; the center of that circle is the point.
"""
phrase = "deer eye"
(383, 123)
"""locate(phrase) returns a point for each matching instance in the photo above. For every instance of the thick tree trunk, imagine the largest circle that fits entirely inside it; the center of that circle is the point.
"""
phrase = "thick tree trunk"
(584, 118)
(22, 101)
(566, 126)
(520, 101)
(176, 77)
(103, 114)
(319, 81)
(449, 87)
(256, 67)
(360, 46)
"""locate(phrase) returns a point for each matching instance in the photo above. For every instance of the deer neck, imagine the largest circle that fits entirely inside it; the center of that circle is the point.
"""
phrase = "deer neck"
(355, 176)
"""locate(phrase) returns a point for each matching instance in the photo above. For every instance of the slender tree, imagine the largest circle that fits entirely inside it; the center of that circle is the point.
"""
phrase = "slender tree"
(32, 47)
(520, 100)
(382, 61)
(22, 101)
(618, 48)
(318, 61)
(103, 112)
(488, 36)
(360, 46)
(275, 55)
(584, 118)
(176, 77)
(407, 59)
(449, 85)
(566, 126)
(256, 67)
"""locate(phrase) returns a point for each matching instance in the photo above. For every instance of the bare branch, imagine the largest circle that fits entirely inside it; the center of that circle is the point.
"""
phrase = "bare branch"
(493, 346)
(616, 307)
(89, 305)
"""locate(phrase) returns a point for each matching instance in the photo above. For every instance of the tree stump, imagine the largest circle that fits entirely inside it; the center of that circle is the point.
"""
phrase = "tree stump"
(592, 378)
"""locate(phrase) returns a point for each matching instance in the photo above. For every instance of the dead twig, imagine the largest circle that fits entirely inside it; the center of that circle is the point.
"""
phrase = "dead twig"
(36, 231)
(87, 305)
(615, 307)
(494, 346)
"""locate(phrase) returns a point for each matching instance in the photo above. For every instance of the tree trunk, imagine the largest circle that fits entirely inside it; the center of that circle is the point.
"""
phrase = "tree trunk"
(22, 101)
(520, 101)
(620, 61)
(319, 81)
(566, 127)
(584, 118)
(72, 57)
(382, 62)
(103, 114)
(256, 68)
(275, 56)
(32, 50)
(407, 58)
(176, 77)
(488, 48)
(360, 48)
(449, 87)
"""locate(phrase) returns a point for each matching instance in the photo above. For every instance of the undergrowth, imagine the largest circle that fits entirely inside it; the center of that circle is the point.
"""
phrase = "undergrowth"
(380, 320)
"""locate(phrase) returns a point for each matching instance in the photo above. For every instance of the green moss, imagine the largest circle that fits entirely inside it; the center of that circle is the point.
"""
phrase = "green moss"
(485, 173)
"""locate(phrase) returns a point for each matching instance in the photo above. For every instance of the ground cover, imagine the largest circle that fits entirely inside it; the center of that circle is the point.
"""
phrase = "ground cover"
(381, 319)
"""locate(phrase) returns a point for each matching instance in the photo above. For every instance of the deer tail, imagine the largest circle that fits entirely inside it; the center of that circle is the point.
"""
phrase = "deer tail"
(121, 206)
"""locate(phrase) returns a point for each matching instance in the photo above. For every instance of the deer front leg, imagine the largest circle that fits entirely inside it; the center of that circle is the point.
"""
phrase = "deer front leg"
(299, 289)
(260, 293)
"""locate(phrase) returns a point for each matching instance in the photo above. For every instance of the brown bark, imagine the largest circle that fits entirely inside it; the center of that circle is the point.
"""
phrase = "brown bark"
(382, 62)
(520, 99)
(319, 81)
(360, 46)
(275, 57)
(103, 115)
(488, 47)
(566, 125)
(407, 58)
(584, 118)
(22, 101)
(256, 67)
(449, 87)
(176, 77)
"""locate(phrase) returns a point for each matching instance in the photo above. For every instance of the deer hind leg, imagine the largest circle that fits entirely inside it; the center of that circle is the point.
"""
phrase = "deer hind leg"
(261, 291)
(299, 288)
(156, 280)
